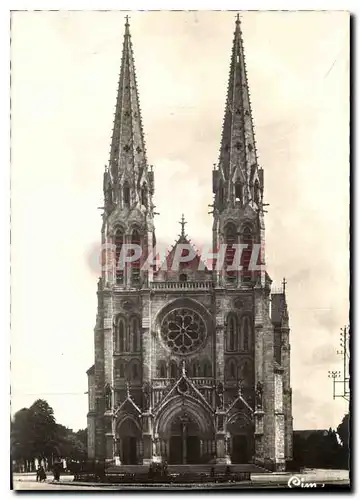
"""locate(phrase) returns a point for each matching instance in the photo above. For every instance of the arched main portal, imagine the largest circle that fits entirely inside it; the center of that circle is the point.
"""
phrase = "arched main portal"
(185, 429)
(128, 442)
(184, 442)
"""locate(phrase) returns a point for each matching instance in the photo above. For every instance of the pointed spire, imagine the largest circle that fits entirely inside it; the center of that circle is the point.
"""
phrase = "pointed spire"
(238, 148)
(127, 154)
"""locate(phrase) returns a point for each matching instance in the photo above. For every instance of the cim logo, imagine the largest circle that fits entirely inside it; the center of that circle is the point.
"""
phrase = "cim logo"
(299, 482)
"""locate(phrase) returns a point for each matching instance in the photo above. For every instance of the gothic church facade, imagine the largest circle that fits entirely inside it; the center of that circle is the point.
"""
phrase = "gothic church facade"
(191, 365)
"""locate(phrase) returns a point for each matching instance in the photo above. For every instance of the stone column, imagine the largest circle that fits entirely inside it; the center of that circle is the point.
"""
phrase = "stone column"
(109, 448)
(259, 436)
(117, 451)
(155, 449)
(184, 443)
(147, 438)
(219, 338)
(222, 456)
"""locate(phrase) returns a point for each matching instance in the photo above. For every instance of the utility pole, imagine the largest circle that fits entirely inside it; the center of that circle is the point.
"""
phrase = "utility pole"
(341, 380)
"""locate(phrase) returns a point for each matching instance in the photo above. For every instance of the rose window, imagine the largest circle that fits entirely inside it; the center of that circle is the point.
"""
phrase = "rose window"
(183, 330)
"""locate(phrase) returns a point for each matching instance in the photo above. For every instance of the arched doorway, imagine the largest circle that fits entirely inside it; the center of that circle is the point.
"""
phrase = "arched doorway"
(184, 442)
(128, 442)
(241, 439)
(185, 430)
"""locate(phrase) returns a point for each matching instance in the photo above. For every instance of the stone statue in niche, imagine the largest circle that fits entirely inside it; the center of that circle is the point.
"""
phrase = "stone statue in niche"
(146, 395)
(259, 395)
(220, 396)
(108, 398)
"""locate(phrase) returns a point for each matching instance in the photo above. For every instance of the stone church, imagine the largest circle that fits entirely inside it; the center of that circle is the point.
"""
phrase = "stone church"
(192, 365)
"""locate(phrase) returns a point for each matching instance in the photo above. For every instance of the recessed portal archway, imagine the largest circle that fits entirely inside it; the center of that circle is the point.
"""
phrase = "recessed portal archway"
(128, 442)
(184, 442)
(241, 442)
(186, 431)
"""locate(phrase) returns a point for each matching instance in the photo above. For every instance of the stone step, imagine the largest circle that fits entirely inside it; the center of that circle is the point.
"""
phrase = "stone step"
(188, 469)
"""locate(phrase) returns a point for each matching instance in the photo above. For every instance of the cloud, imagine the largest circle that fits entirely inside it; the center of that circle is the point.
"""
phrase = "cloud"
(324, 355)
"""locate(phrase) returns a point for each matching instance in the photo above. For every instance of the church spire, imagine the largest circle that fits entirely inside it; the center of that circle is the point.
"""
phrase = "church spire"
(182, 224)
(237, 159)
(128, 161)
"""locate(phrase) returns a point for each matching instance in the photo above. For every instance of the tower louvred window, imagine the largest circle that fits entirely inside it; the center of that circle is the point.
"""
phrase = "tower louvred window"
(135, 334)
(246, 333)
(239, 192)
(135, 265)
(246, 239)
(231, 333)
(119, 265)
(230, 240)
(126, 192)
(120, 338)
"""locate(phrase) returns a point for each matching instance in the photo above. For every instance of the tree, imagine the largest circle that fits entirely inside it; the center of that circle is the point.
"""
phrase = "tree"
(318, 449)
(343, 431)
(21, 439)
(44, 429)
(70, 446)
(82, 436)
(35, 434)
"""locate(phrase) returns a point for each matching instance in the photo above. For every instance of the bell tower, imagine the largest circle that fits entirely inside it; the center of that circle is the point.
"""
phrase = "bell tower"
(128, 183)
(237, 178)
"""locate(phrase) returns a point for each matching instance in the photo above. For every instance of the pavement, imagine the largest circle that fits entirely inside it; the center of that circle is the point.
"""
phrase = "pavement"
(307, 479)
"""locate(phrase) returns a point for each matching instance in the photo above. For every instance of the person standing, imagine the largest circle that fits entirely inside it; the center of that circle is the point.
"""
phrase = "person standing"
(56, 471)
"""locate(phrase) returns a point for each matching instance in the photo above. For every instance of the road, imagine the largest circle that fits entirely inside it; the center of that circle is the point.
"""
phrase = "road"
(28, 482)
(336, 478)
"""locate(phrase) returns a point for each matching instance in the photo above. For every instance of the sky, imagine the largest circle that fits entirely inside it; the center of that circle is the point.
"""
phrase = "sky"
(64, 73)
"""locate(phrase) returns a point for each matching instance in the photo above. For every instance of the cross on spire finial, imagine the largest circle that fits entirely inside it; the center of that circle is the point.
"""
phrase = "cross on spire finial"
(284, 283)
(182, 223)
(127, 26)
